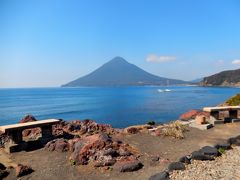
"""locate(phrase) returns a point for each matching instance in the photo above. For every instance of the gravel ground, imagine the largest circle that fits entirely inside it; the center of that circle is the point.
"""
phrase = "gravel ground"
(224, 167)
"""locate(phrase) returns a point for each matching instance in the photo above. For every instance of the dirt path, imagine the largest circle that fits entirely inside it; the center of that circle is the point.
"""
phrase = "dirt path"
(53, 165)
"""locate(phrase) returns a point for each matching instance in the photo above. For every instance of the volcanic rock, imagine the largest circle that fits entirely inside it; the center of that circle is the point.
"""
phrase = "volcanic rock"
(160, 176)
(59, 145)
(22, 170)
(176, 166)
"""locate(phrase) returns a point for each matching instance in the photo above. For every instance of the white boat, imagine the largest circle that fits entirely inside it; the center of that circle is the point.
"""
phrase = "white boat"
(164, 90)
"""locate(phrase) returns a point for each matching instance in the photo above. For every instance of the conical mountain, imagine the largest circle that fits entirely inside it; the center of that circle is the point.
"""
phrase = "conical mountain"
(119, 72)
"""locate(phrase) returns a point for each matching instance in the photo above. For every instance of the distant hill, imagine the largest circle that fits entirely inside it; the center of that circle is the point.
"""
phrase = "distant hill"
(118, 72)
(224, 78)
(198, 80)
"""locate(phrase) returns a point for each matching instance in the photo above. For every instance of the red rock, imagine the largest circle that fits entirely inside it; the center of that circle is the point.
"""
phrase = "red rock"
(132, 130)
(28, 118)
(189, 115)
(59, 145)
(192, 115)
(102, 149)
(22, 170)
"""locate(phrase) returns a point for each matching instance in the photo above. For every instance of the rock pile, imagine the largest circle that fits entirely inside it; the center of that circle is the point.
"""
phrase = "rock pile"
(99, 150)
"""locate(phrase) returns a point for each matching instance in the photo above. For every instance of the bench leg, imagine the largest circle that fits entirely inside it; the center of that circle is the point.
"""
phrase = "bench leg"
(46, 134)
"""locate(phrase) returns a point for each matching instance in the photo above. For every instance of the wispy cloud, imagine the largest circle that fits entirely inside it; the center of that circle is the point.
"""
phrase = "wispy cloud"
(159, 59)
(236, 61)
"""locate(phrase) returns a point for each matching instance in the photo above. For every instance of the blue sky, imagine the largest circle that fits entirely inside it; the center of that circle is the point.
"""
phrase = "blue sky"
(48, 43)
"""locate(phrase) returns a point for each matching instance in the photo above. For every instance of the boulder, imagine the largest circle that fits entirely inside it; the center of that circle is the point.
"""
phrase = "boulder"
(185, 160)
(100, 148)
(22, 170)
(225, 146)
(30, 133)
(176, 166)
(59, 145)
(28, 118)
(234, 141)
(198, 155)
(3, 173)
(128, 165)
(192, 114)
(132, 130)
(2, 167)
(189, 115)
(160, 176)
(210, 151)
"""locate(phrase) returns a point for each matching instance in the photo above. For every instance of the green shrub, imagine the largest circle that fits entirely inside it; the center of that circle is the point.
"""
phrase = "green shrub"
(221, 150)
(234, 101)
(72, 162)
(151, 123)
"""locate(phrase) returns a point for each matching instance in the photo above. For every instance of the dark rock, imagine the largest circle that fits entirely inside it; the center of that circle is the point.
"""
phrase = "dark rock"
(3, 139)
(210, 151)
(2, 167)
(234, 141)
(185, 160)
(160, 176)
(225, 146)
(131, 166)
(176, 166)
(198, 155)
(3, 173)
(110, 152)
(22, 170)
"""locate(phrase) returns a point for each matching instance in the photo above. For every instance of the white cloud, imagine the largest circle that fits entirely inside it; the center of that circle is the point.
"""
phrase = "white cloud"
(159, 59)
(236, 61)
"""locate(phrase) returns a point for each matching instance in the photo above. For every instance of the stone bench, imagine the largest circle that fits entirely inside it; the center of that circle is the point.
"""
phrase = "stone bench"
(215, 114)
(14, 132)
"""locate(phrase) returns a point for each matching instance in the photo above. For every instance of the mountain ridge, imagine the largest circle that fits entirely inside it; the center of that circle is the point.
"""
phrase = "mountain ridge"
(119, 72)
(229, 78)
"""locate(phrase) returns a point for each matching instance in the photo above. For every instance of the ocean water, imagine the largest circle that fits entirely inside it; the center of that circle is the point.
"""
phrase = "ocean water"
(118, 106)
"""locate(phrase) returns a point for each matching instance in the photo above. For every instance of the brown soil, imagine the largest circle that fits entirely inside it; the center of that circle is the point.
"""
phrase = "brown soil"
(53, 165)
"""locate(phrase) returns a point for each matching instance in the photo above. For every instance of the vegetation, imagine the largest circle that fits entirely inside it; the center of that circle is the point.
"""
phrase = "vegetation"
(151, 123)
(224, 78)
(221, 150)
(174, 129)
(233, 101)
(72, 162)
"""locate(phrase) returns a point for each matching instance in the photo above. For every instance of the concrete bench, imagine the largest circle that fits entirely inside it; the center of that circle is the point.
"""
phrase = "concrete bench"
(215, 114)
(14, 132)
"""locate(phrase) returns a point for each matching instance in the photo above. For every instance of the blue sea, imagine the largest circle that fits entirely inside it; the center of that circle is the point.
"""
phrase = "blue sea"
(118, 106)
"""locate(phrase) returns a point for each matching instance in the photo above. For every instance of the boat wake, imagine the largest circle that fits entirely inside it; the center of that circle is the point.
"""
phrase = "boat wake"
(164, 90)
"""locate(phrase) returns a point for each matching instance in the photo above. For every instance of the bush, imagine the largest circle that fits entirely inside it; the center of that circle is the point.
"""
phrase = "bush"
(234, 101)
(151, 123)
(174, 129)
